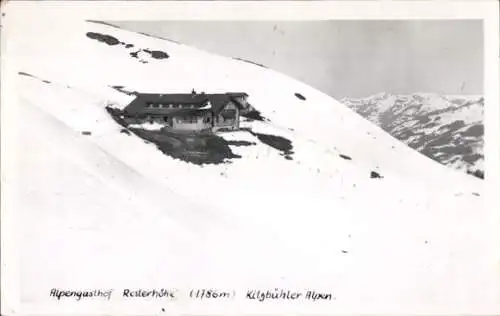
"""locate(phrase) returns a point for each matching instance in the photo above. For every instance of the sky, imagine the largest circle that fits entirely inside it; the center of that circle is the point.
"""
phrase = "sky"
(346, 58)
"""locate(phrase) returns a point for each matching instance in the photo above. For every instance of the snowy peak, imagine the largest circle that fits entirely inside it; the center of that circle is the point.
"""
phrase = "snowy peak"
(446, 128)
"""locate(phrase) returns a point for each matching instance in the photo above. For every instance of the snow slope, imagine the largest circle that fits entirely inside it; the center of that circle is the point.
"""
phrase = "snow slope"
(448, 129)
(108, 209)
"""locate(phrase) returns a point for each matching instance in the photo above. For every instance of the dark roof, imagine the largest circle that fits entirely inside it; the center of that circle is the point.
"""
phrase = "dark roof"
(237, 94)
(218, 101)
(168, 112)
(187, 98)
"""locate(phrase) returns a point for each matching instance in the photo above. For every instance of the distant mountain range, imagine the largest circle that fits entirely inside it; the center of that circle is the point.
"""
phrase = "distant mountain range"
(446, 128)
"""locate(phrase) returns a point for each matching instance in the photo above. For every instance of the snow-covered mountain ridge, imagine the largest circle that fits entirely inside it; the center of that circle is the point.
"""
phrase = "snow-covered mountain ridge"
(448, 129)
(411, 239)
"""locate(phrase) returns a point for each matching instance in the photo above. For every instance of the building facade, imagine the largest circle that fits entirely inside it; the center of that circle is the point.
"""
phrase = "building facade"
(188, 112)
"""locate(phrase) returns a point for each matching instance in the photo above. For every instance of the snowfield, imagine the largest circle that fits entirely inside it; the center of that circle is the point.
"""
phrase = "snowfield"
(106, 209)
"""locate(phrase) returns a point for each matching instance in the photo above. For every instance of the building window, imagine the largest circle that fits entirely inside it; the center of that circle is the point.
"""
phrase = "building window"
(188, 119)
(228, 116)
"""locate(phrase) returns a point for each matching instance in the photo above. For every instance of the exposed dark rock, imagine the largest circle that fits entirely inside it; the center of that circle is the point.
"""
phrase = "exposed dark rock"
(277, 142)
(158, 54)
(86, 133)
(474, 130)
(424, 119)
(194, 148)
(198, 149)
(117, 116)
(254, 115)
(300, 96)
(472, 157)
(22, 73)
(375, 175)
(129, 45)
(477, 173)
(104, 38)
(453, 126)
(345, 157)
(122, 90)
(240, 143)
(125, 131)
